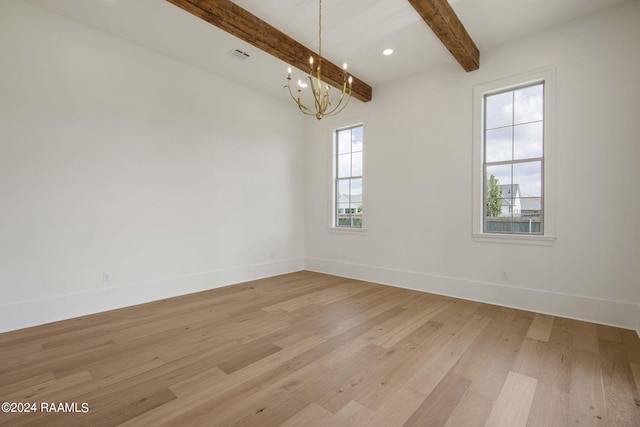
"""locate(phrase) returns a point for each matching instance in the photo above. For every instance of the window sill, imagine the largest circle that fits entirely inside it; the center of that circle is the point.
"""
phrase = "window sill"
(515, 239)
(347, 230)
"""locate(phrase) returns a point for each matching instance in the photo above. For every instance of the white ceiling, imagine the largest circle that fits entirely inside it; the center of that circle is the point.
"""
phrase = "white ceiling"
(354, 31)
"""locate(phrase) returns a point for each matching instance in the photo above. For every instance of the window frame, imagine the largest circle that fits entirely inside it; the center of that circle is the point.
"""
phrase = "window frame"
(334, 227)
(480, 91)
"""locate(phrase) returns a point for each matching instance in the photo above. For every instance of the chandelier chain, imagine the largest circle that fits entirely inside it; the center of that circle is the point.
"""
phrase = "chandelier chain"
(320, 29)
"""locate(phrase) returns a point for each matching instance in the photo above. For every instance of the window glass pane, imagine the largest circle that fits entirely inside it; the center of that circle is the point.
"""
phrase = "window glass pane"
(502, 173)
(528, 104)
(356, 164)
(499, 110)
(344, 141)
(343, 218)
(531, 207)
(343, 191)
(356, 138)
(502, 224)
(356, 203)
(344, 165)
(528, 176)
(356, 192)
(498, 145)
(528, 140)
(497, 190)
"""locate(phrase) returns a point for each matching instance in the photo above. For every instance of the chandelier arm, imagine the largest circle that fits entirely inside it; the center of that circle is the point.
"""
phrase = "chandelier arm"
(305, 110)
(335, 111)
(301, 106)
(313, 87)
(337, 108)
(316, 94)
(290, 92)
(319, 108)
(326, 101)
(344, 88)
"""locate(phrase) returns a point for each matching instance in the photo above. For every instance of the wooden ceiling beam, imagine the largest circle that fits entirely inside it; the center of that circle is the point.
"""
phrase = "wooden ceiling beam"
(240, 23)
(444, 22)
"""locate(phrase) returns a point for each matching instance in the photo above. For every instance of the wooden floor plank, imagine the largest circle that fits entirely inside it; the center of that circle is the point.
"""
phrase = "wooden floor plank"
(540, 328)
(396, 410)
(313, 349)
(585, 336)
(514, 402)
(434, 370)
(311, 415)
(471, 411)
(352, 415)
(530, 358)
(436, 409)
(392, 371)
(619, 385)
(492, 371)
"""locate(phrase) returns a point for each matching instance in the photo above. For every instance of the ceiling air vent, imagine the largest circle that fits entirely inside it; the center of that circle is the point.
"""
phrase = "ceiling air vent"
(238, 54)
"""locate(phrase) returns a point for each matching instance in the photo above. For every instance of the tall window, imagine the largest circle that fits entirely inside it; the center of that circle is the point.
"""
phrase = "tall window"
(512, 139)
(514, 157)
(348, 203)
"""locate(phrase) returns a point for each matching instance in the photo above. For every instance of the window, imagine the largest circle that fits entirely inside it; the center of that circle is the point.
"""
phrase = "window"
(512, 141)
(513, 159)
(348, 201)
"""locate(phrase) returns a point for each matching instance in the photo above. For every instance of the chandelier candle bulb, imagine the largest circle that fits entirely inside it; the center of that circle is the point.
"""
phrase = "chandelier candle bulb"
(344, 66)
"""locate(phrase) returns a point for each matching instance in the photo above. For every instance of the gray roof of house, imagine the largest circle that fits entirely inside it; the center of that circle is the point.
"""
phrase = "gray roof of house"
(530, 203)
(355, 198)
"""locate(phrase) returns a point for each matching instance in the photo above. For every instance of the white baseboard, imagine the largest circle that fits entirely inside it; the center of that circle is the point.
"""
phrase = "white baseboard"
(615, 313)
(41, 311)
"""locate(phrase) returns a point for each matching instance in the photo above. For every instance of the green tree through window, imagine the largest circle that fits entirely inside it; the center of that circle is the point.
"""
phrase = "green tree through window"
(494, 197)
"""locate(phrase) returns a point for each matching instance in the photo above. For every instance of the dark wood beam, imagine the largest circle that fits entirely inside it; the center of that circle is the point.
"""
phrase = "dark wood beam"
(444, 22)
(240, 23)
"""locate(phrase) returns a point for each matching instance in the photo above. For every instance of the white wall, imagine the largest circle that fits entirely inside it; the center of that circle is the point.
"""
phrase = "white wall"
(418, 150)
(116, 159)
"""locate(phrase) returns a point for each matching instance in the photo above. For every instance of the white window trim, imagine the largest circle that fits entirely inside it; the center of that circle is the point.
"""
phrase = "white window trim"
(336, 126)
(479, 91)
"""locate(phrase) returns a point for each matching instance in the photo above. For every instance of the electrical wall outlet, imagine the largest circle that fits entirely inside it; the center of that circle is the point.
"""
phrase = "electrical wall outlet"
(106, 277)
(505, 275)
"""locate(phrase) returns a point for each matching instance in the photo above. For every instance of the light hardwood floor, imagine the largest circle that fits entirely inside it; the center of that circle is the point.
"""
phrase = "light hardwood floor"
(308, 349)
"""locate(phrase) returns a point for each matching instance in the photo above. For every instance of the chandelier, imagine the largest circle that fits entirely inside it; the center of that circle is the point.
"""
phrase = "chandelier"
(319, 89)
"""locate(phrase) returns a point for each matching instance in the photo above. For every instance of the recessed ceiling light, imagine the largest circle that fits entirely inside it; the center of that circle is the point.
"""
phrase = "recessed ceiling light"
(387, 52)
